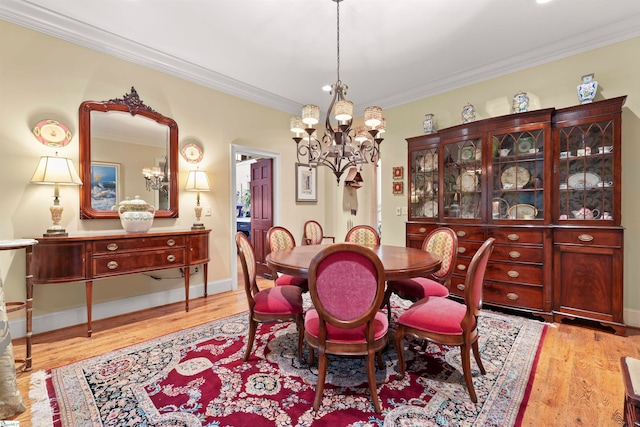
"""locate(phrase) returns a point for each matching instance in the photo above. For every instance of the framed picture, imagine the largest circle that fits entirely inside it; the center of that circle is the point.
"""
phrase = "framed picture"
(306, 183)
(398, 187)
(398, 172)
(105, 185)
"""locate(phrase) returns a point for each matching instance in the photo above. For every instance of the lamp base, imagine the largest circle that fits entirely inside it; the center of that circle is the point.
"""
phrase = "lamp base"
(197, 226)
(55, 232)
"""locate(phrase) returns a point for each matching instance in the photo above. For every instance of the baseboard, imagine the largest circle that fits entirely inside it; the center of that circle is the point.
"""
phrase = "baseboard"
(632, 317)
(75, 316)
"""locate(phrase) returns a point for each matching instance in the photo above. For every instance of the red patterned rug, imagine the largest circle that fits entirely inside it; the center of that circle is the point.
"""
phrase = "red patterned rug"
(196, 377)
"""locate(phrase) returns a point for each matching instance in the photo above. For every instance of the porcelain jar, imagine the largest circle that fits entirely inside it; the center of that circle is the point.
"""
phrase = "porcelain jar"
(468, 113)
(587, 90)
(136, 216)
(429, 124)
(520, 102)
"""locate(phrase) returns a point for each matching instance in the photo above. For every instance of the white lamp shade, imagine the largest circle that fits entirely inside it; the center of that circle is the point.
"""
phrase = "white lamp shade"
(197, 181)
(310, 114)
(56, 170)
(343, 110)
(372, 116)
(296, 124)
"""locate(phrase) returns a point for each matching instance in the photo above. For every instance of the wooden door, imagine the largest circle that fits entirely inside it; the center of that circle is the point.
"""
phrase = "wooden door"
(261, 210)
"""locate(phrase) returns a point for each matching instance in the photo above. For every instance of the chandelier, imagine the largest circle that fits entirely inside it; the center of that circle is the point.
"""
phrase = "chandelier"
(341, 147)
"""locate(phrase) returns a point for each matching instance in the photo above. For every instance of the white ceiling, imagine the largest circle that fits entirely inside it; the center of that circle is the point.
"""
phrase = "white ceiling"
(280, 53)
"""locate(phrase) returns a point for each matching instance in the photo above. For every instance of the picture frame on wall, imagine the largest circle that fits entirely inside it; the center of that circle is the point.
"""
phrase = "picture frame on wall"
(398, 172)
(398, 187)
(105, 185)
(306, 183)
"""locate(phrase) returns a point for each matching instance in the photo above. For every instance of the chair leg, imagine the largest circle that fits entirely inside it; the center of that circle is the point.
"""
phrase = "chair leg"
(476, 354)
(252, 334)
(300, 326)
(322, 374)
(387, 302)
(466, 370)
(400, 349)
(371, 375)
(379, 358)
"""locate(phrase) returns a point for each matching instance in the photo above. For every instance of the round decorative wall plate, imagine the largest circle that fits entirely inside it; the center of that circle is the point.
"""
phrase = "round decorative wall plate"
(192, 152)
(52, 133)
(515, 177)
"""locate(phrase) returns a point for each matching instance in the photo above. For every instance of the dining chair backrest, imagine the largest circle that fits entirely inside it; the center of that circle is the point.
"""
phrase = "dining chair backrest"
(248, 262)
(474, 281)
(442, 241)
(313, 233)
(280, 238)
(347, 284)
(363, 235)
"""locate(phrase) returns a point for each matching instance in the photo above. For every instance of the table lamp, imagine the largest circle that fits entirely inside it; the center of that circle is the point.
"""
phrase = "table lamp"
(57, 171)
(197, 181)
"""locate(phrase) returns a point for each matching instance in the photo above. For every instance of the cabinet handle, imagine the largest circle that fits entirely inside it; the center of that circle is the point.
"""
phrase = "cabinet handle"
(461, 233)
(514, 254)
(513, 274)
(462, 250)
(422, 230)
(512, 296)
(171, 242)
(112, 247)
(585, 237)
(171, 258)
(513, 237)
(112, 265)
(460, 286)
(461, 267)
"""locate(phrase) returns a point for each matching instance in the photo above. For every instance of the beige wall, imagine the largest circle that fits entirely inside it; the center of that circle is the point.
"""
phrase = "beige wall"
(42, 77)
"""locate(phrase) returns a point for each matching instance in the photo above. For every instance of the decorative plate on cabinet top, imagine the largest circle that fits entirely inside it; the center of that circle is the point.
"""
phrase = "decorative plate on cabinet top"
(192, 152)
(52, 133)
(583, 180)
(468, 181)
(515, 177)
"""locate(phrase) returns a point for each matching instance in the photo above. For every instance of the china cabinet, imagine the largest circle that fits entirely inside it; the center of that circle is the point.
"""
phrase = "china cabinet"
(546, 185)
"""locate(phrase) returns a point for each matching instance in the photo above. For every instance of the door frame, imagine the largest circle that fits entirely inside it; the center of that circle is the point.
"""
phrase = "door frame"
(276, 176)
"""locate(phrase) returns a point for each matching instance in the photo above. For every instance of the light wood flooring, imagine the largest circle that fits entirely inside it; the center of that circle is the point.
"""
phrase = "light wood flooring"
(577, 381)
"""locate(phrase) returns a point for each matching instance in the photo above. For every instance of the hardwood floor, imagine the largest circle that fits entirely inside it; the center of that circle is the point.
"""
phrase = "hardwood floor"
(577, 381)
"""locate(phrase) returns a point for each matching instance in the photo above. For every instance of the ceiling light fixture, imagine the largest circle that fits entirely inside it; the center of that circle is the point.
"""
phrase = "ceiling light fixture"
(341, 147)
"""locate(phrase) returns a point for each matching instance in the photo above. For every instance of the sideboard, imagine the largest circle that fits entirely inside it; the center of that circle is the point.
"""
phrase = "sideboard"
(92, 256)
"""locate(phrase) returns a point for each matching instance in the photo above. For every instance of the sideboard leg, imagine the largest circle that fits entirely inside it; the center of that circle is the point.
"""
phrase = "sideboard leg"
(89, 291)
(186, 288)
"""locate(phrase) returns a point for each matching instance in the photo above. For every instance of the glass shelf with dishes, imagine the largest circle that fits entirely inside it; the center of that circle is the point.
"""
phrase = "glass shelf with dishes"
(424, 183)
(518, 173)
(586, 167)
(462, 193)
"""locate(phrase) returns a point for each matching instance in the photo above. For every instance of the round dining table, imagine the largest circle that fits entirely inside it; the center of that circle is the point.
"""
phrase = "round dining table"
(399, 262)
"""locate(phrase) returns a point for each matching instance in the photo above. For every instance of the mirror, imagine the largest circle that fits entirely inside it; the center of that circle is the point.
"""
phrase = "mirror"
(119, 139)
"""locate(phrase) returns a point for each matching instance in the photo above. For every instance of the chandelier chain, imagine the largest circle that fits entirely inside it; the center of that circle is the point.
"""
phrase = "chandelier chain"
(338, 36)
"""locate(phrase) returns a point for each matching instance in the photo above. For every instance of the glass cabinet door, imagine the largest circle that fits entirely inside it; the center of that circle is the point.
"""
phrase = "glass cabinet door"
(462, 194)
(586, 172)
(424, 183)
(517, 176)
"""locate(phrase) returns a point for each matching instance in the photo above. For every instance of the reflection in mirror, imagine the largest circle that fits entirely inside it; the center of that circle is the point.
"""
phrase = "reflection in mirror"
(127, 150)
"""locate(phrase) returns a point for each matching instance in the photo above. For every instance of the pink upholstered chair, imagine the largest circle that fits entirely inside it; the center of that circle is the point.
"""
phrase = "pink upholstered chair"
(448, 322)
(313, 234)
(346, 284)
(277, 304)
(363, 235)
(442, 242)
(280, 238)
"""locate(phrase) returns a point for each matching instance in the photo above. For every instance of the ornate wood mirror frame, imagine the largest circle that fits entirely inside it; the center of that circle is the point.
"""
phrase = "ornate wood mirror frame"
(131, 104)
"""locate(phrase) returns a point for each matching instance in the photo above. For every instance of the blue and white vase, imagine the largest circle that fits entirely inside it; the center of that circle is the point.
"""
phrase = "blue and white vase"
(468, 113)
(429, 124)
(520, 102)
(587, 90)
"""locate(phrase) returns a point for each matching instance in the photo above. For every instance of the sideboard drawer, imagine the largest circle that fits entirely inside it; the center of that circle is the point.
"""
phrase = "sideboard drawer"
(513, 295)
(589, 237)
(468, 249)
(514, 272)
(104, 266)
(518, 253)
(420, 229)
(120, 245)
(517, 235)
(468, 232)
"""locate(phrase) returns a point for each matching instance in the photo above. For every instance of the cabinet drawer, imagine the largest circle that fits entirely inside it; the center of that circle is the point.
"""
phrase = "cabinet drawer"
(514, 272)
(468, 233)
(467, 249)
(517, 235)
(104, 266)
(517, 253)
(506, 294)
(589, 237)
(120, 245)
(420, 229)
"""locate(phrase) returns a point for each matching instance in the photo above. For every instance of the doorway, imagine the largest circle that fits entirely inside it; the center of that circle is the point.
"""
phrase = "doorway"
(247, 155)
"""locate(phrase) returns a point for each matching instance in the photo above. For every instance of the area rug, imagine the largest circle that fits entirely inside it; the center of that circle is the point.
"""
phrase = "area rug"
(196, 377)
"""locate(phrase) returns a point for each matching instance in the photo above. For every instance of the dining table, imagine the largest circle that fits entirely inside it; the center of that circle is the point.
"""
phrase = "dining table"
(399, 262)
